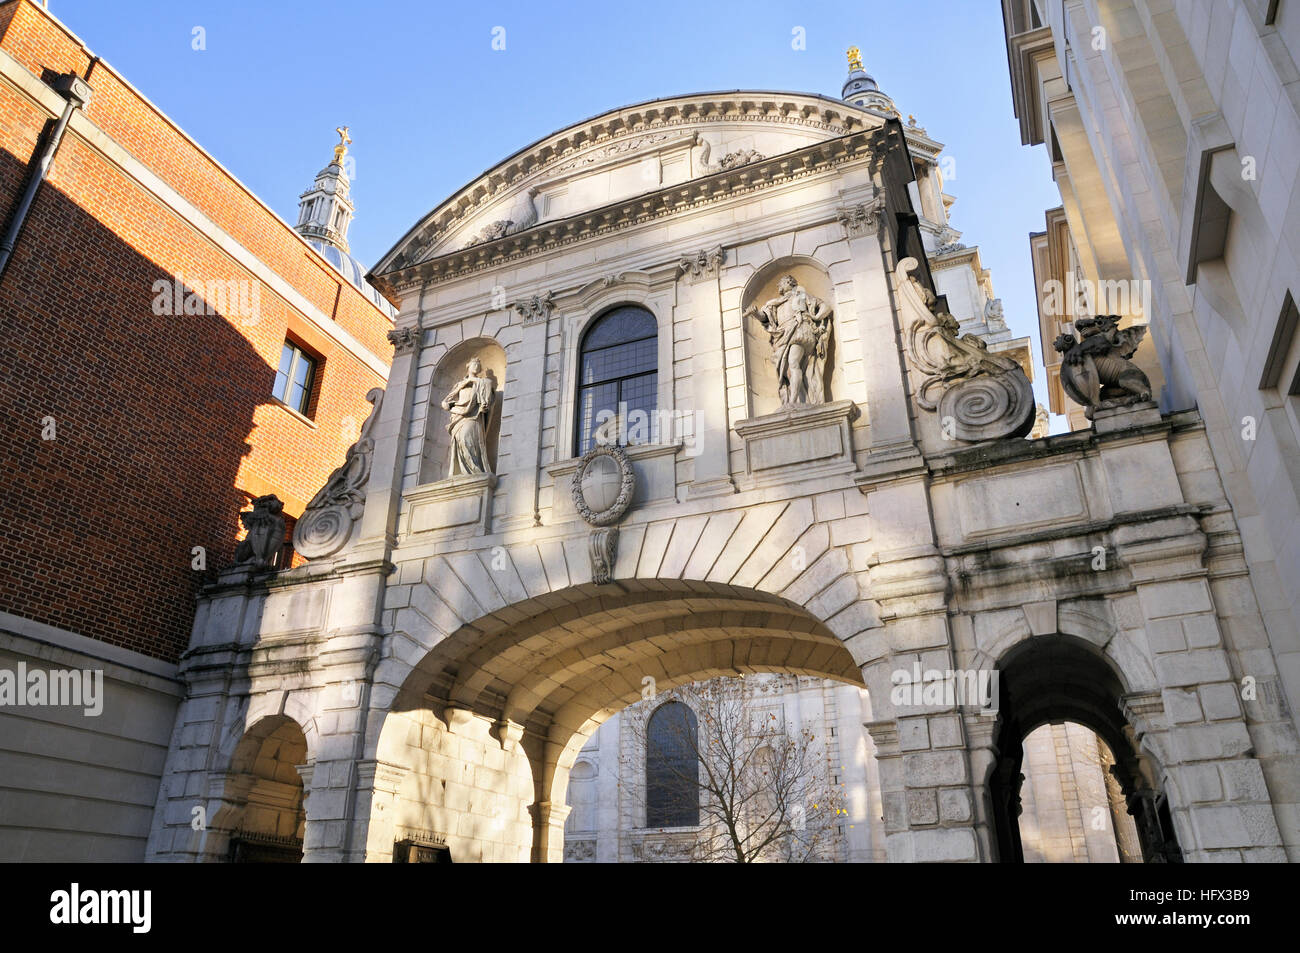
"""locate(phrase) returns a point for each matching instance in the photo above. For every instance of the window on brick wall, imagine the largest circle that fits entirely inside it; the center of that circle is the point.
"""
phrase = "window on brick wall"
(296, 377)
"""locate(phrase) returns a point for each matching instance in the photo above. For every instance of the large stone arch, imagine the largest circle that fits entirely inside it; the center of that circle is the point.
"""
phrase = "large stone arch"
(776, 550)
(526, 656)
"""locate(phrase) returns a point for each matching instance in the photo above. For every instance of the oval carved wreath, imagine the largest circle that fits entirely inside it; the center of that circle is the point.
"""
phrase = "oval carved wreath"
(626, 488)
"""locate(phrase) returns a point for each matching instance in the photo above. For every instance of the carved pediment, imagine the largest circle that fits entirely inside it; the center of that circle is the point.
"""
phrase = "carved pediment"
(687, 137)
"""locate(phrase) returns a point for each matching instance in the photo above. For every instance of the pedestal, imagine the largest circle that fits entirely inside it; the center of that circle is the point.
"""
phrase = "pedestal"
(798, 443)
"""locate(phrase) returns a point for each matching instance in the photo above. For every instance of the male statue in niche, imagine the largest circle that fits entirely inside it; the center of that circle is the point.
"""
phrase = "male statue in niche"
(470, 404)
(798, 325)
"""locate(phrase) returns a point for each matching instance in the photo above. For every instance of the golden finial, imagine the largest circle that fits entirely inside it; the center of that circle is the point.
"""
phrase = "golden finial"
(855, 58)
(342, 147)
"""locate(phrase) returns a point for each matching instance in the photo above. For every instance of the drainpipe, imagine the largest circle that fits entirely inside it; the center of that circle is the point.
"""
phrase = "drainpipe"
(76, 91)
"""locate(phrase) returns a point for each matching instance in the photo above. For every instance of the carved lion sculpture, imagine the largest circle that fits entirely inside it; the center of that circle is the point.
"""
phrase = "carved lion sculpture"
(1097, 370)
(265, 526)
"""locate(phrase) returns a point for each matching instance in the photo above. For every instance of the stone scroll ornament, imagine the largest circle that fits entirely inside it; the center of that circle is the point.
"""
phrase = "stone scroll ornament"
(978, 395)
(603, 486)
(326, 525)
(1096, 367)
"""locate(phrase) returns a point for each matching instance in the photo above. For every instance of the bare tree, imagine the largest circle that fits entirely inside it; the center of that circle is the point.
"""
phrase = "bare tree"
(756, 791)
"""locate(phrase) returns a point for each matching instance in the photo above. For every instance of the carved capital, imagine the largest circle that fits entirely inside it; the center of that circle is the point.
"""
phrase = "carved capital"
(705, 263)
(535, 310)
(509, 733)
(380, 776)
(404, 340)
(863, 218)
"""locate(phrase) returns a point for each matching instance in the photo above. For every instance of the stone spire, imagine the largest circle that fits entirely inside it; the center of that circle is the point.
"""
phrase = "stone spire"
(861, 89)
(325, 210)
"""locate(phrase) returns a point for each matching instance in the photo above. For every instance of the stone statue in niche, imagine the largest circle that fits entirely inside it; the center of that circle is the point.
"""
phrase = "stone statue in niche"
(470, 404)
(798, 326)
(265, 538)
(1097, 370)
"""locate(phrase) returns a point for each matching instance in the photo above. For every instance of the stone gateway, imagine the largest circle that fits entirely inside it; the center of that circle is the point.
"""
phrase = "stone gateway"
(424, 688)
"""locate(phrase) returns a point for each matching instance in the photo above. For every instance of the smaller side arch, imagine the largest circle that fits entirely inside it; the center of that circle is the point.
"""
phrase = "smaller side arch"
(1064, 677)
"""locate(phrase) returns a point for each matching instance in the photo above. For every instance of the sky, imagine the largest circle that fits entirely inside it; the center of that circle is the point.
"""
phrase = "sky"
(431, 104)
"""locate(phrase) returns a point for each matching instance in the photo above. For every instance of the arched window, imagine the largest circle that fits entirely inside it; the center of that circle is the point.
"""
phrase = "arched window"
(617, 374)
(672, 768)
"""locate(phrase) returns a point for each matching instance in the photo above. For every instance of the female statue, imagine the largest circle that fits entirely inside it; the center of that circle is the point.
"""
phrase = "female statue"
(470, 403)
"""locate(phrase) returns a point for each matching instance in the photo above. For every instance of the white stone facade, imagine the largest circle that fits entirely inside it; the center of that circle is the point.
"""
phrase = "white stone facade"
(445, 667)
(606, 793)
(1173, 128)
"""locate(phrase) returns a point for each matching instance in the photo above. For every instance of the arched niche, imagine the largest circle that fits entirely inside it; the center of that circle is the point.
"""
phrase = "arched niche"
(760, 370)
(436, 462)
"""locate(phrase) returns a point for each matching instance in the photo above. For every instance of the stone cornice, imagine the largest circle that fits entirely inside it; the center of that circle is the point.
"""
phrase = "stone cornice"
(765, 173)
(613, 128)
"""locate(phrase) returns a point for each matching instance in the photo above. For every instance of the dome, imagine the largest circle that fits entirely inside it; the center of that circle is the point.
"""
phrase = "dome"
(861, 88)
(353, 271)
(859, 81)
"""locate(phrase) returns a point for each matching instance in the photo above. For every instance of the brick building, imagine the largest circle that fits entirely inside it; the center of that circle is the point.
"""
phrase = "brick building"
(171, 350)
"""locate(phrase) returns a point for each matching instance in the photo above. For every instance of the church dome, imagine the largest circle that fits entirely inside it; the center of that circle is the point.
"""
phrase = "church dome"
(353, 271)
(861, 88)
(324, 214)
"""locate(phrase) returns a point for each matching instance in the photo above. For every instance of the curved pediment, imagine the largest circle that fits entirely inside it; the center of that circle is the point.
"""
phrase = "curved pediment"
(620, 154)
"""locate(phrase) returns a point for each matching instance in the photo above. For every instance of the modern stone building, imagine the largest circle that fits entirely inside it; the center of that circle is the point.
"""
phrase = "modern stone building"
(172, 350)
(677, 393)
(1173, 130)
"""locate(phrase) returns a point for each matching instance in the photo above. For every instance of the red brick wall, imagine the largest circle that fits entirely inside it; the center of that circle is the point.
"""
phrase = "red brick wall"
(161, 420)
(39, 44)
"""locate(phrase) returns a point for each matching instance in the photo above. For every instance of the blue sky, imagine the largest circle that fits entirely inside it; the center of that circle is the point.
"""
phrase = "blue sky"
(431, 104)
